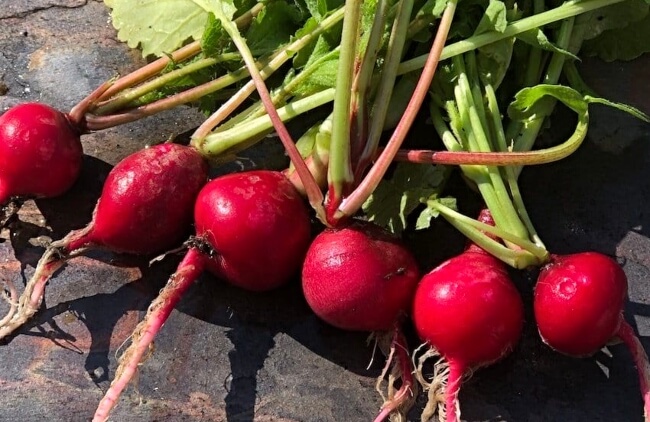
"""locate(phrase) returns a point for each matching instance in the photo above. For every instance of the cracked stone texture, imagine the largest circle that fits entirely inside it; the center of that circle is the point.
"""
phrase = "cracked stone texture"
(226, 355)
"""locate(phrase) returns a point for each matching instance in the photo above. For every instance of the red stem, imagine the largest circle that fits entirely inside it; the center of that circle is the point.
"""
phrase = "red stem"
(187, 272)
(626, 333)
(473, 158)
(452, 408)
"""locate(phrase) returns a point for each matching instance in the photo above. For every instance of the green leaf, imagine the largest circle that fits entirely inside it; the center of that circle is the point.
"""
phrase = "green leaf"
(493, 61)
(429, 213)
(530, 101)
(619, 106)
(273, 26)
(158, 27)
(215, 39)
(494, 18)
(626, 43)
(397, 197)
(537, 38)
(612, 17)
(320, 76)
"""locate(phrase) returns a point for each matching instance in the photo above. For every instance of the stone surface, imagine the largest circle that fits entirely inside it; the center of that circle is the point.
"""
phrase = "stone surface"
(226, 355)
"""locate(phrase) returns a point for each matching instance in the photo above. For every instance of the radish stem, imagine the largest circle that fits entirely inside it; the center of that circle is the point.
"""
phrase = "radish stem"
(352, 203)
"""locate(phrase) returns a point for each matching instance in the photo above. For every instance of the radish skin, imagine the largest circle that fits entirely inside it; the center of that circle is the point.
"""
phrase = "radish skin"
(359, 277)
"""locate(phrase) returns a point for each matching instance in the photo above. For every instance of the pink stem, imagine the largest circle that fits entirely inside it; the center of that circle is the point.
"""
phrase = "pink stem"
(76, 116)
(452, 408)
(187, 272)
(406, 389)
(152, 68)
(474, 158)
(626, 333)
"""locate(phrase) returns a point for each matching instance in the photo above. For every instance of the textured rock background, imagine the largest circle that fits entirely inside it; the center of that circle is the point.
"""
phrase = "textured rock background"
(226, 355)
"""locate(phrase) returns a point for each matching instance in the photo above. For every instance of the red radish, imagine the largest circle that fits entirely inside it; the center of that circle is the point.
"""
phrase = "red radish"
(145, 207)
(40, 152)
(578, 307)
(359, 277)
(253, 230)
(469, 313)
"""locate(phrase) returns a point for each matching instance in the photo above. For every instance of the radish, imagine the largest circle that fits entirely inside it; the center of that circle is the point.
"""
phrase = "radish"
(40, 152)
(471, 315)
(361, 278)
(578, 306)
(252, 230)
(145, 207)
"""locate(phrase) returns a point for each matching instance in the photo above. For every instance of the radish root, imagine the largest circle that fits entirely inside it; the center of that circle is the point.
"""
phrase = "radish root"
(435, 388)
(397, 400)
(626, 333)
(55, 256)
(142, 338)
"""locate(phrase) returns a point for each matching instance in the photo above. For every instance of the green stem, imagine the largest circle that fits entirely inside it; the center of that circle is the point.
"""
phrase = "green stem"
(510, 175)
(177, 56)
(396, 45)
(542, 156)
(340, 171)
(313, 192)
(196, 93)
(356, 199)
(131, 95)
(566, 10)
(529, 254)
(220, 142)
(532, 128)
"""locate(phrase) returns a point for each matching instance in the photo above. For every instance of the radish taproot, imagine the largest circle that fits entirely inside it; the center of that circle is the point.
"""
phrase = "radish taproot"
(40, 152)
(145, 207)
(578, 304)
(361, 278)
(252, 230)
(470, 314)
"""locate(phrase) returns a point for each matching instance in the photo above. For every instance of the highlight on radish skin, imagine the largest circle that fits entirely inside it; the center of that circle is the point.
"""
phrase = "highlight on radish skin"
(252, 230)
(578, 305)
(145, 207)
(40, 152)
(470, 315)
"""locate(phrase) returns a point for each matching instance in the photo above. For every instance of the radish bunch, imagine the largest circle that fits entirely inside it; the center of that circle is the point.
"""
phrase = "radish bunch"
(145, 207)
(252, 230)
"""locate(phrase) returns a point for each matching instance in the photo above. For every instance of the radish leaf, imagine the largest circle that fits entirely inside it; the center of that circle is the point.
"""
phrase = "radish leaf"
(158, 27)
(626, 43)
(397, 197)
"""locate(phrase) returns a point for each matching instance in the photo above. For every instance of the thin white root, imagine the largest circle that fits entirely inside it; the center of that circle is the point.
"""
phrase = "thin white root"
(435, 388)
